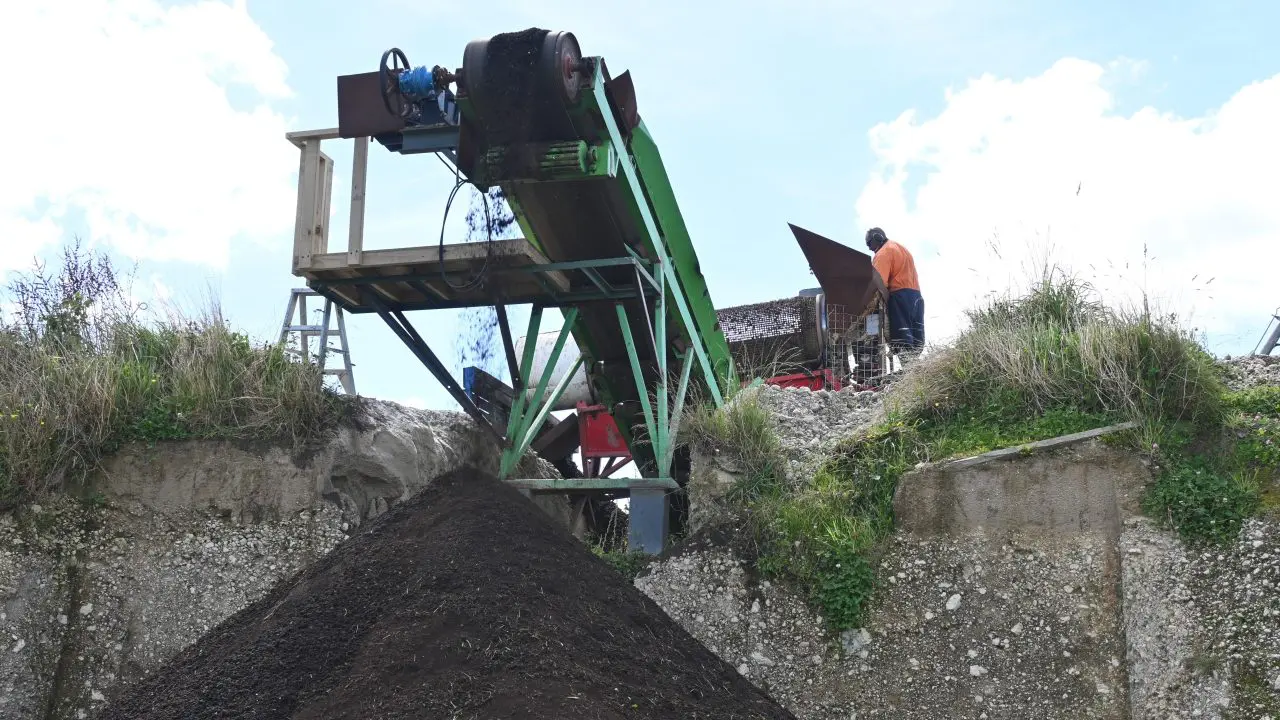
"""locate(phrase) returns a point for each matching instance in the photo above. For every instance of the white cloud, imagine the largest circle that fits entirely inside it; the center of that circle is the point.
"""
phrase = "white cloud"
(1005, 158)
(133, 129)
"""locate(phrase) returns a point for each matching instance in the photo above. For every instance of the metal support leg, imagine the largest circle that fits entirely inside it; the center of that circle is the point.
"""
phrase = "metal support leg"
(1273, 339)
(288, 316)
(648, 523)
(677, 411)
(636, 372)
(347, 379)
(528, 414)
(508, 345)
(298, 305)
(324, 332)
(660, 342)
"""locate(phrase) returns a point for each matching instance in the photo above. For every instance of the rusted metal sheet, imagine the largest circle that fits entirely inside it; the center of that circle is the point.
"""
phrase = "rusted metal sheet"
(622, 92)
(847, 276)
(361, 112)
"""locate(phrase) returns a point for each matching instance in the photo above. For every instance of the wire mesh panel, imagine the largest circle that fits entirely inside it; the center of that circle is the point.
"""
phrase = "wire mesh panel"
(856, 343)
(776, 337)
(804, 333)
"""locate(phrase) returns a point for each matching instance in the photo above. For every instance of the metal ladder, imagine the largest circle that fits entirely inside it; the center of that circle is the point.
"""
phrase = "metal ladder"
(1271, 335)
(298, 305)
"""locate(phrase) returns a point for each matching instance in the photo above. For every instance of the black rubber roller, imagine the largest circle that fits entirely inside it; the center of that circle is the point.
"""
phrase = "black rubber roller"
(521, 83)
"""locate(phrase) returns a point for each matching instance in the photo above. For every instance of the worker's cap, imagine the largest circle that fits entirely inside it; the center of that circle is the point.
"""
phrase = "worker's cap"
(875, 235)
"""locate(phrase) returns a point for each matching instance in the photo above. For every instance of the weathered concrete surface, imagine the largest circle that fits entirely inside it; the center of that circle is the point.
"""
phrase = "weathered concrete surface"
(1065, 491)
(183, 535)
(1054, 443)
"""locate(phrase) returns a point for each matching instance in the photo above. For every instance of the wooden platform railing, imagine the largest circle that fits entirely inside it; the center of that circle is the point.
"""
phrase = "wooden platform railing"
(315, 194)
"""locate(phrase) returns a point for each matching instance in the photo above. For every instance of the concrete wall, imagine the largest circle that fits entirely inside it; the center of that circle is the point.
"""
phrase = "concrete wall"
(1061, 488)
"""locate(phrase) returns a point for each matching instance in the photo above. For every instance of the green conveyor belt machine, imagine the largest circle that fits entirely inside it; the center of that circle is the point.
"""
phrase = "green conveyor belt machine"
(603, 242)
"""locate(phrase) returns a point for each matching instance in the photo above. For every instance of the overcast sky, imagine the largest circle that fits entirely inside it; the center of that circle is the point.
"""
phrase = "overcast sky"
(980, 134)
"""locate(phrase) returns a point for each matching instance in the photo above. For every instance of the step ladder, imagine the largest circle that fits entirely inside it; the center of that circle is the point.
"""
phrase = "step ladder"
(1271, 336)
(304, 332)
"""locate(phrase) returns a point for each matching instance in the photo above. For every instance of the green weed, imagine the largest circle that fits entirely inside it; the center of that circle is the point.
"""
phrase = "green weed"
(629, 563)
(742, 430)
(1202, 501)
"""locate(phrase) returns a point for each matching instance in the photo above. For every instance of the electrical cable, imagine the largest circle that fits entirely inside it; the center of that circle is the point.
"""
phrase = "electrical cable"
(483, 271)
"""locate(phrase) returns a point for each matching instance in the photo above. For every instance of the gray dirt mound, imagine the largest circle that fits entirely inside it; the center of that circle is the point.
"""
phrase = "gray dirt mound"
(465, 602)
(1252, 371)
(809, 423)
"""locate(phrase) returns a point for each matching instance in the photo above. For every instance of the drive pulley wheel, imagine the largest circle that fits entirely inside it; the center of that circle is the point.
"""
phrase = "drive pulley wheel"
(519, 84)
(561, 64)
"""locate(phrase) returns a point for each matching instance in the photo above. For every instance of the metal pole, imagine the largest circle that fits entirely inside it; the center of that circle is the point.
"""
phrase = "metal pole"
(660, 345)
(636, 373)
(1273, 338)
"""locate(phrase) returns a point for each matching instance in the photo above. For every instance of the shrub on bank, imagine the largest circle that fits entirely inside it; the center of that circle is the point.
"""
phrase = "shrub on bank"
(81, 374)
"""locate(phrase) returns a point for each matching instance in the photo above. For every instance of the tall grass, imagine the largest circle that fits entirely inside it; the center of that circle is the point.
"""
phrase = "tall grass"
(80, 374)
(743, 432)
(1057, 345)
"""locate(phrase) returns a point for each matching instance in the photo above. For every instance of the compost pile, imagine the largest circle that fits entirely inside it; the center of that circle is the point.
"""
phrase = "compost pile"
(464, 602)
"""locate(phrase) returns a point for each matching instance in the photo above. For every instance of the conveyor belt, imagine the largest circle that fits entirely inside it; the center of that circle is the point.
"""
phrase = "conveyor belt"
(528, 87)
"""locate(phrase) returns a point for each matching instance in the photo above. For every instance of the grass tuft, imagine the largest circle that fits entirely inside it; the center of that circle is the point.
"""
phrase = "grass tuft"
(743, 430)
(1057, 346)
(80, 375)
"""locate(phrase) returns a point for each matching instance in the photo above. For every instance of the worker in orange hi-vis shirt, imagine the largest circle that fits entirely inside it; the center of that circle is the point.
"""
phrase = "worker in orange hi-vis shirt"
(906, 306)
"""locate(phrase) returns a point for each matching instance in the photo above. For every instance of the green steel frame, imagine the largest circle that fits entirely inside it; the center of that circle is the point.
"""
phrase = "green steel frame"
(681, 322)
(528, 413)
(681, 290)
(683, 314)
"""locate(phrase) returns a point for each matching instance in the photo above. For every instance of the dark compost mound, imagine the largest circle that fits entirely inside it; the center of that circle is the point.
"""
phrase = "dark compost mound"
(464, 602)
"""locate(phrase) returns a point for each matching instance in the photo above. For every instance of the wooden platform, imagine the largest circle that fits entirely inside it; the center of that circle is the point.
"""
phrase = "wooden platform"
(418, 277)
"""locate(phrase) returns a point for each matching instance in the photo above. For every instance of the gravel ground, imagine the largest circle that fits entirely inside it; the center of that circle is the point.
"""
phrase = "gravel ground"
(115, 592)
(962, 628)
(810, 422)
(1169, 655)
(1252, 370)
(1136, 626)
(764, 631)
(1239, 592)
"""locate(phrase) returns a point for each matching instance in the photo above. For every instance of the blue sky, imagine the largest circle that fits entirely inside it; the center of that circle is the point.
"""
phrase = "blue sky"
(946, 123)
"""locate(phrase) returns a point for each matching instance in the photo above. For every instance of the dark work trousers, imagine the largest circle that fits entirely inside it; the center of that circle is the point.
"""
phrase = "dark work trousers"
(906, 319)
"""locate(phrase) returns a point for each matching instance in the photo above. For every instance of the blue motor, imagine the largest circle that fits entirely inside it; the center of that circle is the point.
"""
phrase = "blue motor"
(420, 96)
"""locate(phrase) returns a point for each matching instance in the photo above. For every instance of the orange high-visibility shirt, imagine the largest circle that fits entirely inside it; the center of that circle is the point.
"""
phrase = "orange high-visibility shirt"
(896, 267)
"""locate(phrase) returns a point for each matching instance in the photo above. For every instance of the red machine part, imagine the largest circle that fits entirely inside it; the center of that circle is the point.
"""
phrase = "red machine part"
(824, 379)
(604, 452)
(602, 447)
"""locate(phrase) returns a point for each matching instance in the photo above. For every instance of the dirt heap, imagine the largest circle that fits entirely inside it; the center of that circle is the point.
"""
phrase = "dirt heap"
(1252, 371)
(465, 602)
